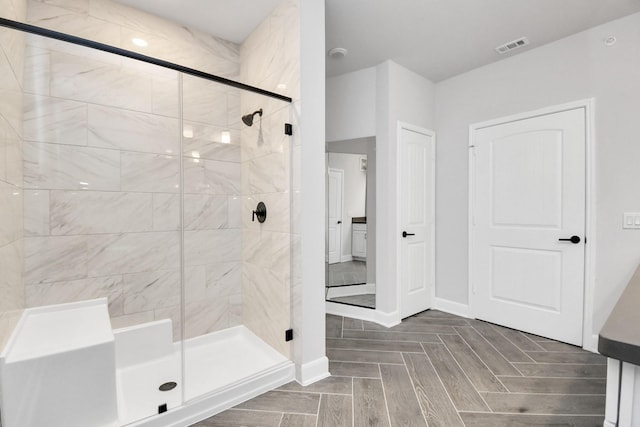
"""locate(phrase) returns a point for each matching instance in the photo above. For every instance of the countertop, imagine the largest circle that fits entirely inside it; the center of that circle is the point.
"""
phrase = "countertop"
(620, 335)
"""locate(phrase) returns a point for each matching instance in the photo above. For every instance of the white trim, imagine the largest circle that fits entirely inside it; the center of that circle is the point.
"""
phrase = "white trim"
(202, 408)
(341, 173)
(350, 290)
(350, 311)
(452, 307)
(313, 371)
(611, 395)
(588, 341)
(627, 396)
(398, 226)
(371, 315)
(346, 258)
(388, 319)
(583, 103)
(590, 337)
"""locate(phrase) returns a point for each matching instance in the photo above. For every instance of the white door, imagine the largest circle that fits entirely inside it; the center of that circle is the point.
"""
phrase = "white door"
(528, 195)
(416, 213)
(335, 215)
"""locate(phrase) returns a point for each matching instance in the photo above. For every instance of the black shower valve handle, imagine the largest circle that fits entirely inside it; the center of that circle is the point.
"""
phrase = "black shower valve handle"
(260, 213)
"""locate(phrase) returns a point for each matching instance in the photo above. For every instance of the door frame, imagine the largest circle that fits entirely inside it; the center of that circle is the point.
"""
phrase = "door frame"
(398, 225)
(589, 338)
(341, 173)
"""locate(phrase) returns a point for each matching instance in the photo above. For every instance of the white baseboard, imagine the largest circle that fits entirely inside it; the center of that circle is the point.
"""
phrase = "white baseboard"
(350, 311)
(452, 307)
(381, 318)
(388, 319)
(310, 372)
(346, 291)
(591, 343)
(346, 258)
(463, 310)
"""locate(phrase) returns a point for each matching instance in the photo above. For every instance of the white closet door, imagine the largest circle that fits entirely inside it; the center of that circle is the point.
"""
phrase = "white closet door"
(528, 194)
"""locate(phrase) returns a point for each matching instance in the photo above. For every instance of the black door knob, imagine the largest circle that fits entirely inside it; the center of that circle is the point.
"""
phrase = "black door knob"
(405, 234)
(573, 239)
(339, 222)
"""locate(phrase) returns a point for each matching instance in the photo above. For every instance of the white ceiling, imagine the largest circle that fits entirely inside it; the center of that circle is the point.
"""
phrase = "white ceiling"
(442, 38)
(231, 20)
(435, 38)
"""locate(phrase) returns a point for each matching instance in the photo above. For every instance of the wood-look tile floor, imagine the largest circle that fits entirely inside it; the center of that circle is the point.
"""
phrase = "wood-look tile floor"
(436, 369)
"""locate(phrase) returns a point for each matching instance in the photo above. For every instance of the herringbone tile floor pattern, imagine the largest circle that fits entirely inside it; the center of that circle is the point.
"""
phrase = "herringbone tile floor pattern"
(436, 369)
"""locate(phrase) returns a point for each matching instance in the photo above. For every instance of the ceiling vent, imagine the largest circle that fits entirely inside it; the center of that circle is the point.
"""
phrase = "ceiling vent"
(512, 45)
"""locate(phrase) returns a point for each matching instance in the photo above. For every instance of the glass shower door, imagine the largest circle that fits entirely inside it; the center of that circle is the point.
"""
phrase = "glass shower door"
(101, 217)
(237, 269)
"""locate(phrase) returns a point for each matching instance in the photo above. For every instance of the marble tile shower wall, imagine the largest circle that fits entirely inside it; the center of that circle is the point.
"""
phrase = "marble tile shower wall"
(102, 171)
(270, 59)
(213, 204)
(11, 194)
(115, 24)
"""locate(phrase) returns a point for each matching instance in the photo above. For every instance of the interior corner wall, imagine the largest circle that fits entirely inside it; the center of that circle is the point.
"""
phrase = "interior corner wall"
(351, 105)
(405, 96)
(574, 68)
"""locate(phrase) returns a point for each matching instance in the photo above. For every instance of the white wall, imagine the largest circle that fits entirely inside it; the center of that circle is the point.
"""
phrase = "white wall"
(397, 94)
(351, 105)
(354, 194)
(402, 95)
(309, 208)
(574, 68)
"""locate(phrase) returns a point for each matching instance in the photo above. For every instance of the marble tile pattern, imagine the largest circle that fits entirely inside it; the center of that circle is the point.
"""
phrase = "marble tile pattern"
(103, 175)
(12, 48)
(102, 169)
(116, 24)
(270, 59)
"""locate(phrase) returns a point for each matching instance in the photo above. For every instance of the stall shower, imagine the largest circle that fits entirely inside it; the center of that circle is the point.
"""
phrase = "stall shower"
(133, 199)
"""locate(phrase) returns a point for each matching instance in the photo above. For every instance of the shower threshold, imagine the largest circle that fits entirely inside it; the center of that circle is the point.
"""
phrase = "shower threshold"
(221, 369)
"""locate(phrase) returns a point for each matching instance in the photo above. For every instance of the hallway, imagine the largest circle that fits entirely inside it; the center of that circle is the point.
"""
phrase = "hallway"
(436, 369)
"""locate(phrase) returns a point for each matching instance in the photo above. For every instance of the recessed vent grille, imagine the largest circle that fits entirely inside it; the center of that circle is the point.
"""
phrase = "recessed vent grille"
(512, 45)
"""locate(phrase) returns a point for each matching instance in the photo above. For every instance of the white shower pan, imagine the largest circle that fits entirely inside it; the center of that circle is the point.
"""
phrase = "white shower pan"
(64, 367)
(221, 369)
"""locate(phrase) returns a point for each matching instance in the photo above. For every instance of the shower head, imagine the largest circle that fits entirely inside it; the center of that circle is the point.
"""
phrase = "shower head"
(248, 118)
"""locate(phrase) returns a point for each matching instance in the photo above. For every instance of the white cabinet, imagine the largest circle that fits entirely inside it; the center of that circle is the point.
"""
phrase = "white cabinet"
(623, 394)
(359, 240)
